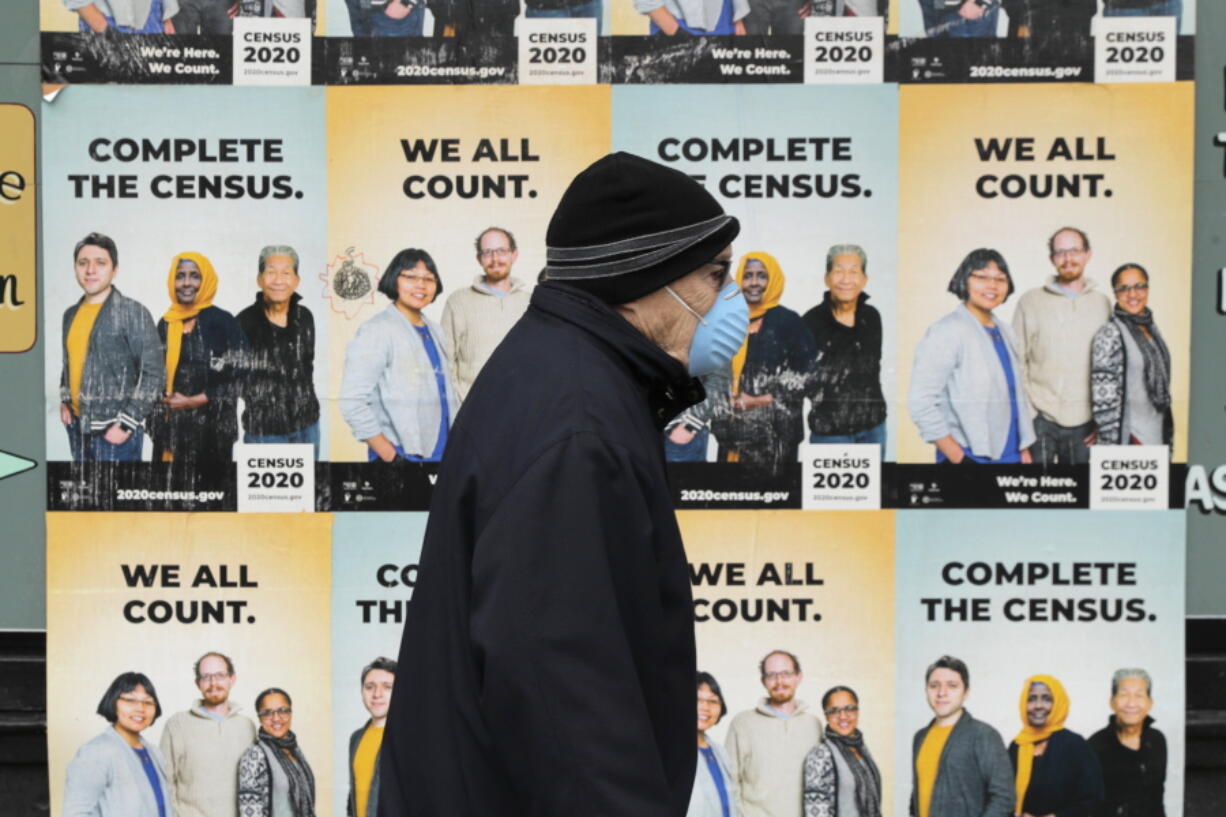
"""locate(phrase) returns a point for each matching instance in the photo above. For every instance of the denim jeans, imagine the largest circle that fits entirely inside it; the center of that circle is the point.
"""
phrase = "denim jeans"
(153, 23)
(93, 447)
(693, 451)
(310, 434)
(1060, 445)
(949, 23)
(592, 8)
(383, 26)
(205, 16)
(1158, 8)
(876, 434)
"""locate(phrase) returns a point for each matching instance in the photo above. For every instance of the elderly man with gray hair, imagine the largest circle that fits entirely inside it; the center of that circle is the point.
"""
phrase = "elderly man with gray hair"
(279, 399)
(1131, 752)
(847, 402)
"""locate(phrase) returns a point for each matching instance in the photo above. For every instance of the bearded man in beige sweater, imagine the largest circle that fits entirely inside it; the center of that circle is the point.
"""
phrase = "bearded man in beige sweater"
(1055, 325)
(767, 745)
(478, 317)
(202, 745)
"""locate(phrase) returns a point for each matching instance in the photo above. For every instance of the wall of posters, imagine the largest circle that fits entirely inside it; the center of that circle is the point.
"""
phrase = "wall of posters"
(329, 266)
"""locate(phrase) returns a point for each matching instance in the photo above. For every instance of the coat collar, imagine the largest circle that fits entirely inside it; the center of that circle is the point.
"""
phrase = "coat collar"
(291, 317)
(668, 386)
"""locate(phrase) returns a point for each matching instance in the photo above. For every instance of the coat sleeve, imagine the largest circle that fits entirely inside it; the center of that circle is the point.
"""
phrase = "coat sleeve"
(568, 613)
(89, 775)
(1107, 383)
(366, 357)
(935, 360)
(169, 747)
(997, 774)
(1088, 793)
(150, 359)
(233, 351)
(734, 746)
(820, 782)
(254, 784)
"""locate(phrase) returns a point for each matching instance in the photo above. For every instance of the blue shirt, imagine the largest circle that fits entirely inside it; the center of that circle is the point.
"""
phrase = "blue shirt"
(151, 772)
(1012, 452)
(713, 767)
(724, 25)
(152, 25)
(440, 380)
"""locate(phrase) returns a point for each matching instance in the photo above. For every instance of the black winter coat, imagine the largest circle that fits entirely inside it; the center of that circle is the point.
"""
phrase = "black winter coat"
(211, 362)
(279, 389)
(1065, 780)
(1135, 779)
(547, 664)
(847, 395)
(780, 361)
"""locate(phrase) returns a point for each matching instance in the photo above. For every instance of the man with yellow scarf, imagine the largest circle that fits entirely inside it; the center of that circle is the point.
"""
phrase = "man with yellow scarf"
(205, 350)
(1056, 772)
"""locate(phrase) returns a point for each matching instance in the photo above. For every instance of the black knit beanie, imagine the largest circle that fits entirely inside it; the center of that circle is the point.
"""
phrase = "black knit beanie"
(627, 226)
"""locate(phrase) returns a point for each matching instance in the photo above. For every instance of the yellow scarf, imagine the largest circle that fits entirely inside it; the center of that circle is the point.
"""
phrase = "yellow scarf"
(178, 313)
(1029, 736)
(770, 300)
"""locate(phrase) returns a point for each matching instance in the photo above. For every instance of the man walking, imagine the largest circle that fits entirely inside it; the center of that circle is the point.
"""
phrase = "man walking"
(547, 665)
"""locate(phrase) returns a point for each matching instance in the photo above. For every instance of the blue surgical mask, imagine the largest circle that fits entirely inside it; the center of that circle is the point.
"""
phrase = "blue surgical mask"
(720, 332)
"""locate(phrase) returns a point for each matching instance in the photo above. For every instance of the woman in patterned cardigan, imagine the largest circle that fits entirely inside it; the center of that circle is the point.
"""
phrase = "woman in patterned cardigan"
(1130, 368)
(274, 778)
(841, 778)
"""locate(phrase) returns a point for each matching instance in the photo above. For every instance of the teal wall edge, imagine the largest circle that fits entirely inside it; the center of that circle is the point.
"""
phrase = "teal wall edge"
(23, 496)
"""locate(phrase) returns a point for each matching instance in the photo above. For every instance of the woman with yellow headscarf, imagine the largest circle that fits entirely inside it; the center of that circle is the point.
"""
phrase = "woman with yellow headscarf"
(1056, 773)
(205, 348)
(762, 423)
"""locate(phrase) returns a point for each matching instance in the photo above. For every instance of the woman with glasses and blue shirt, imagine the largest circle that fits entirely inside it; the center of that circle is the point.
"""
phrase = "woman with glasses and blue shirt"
(715, 792)
(118, 773)
(967, 396)
(1130, 368)
(398, 390)
(841, 777)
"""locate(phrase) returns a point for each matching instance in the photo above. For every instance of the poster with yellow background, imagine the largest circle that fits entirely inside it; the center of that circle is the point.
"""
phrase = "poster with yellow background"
(432, 168)
(1004, 167)
(153, 593)
(820, 587)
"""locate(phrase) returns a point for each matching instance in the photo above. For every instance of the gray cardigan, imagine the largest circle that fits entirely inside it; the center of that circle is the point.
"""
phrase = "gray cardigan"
(388, 384)
(704, 801)
(974, 776)
(106, 779)
(125, 369)
(958, 386)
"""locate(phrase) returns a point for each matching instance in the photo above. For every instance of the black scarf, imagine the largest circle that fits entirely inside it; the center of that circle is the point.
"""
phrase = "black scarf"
(301, 779)
(868, 779)
(1157, 357)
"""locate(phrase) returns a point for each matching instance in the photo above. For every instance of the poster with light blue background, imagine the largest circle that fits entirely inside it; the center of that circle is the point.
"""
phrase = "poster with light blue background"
(374, 556)
(250, 171)
(832, 178)
(1122, 575)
